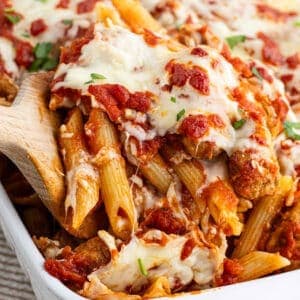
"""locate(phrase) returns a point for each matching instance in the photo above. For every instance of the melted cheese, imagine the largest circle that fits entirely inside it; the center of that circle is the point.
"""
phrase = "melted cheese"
(81, 174)
(32, 10)
(227, 18)
(7, 54)
(123, 270)
(143, 69)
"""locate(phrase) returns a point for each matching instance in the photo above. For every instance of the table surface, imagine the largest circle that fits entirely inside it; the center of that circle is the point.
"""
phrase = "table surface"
(14, 285)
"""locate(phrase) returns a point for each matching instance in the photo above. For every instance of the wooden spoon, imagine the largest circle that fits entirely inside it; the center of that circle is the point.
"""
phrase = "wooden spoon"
(27, 137)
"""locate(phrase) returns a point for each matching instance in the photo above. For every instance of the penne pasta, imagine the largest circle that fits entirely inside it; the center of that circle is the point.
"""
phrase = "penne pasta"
(261, 217)
(204, 122)
(190, 172)
(222, 204)
(115, 188)
(157, 173)
(159, 288)
(136, 16)
(257, 264)
(107, 14)
(203, 150)
(8, 90)
(82, 179)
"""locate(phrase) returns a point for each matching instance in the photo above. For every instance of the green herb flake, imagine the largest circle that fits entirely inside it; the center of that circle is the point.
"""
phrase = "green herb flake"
(44, 60)
(43, 1)
(173, 99)
(180, 115)
(239, 124)
(96, 76)
(89, 82)
(235, 40)
(142, 267)
(42, 50)
(256, 73)
(289, 128)
(67, 22)
(25, 35)
(14, 19)
(49, 64)
(297, 23)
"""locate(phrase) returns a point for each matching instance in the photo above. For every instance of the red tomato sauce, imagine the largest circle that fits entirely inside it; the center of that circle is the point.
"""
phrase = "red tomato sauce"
(270, 51)
(163, 219)
(37, 27)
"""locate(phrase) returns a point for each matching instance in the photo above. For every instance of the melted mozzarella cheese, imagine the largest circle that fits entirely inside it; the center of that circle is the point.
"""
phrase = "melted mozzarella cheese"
(81, 174)
(53, 17)
(288, 153)
(227, 18)
(123, 271)
(7, 54)
(215, 170)
(143, 69)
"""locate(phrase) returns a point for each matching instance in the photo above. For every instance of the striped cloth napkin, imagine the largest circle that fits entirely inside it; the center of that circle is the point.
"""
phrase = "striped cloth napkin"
(14, 285)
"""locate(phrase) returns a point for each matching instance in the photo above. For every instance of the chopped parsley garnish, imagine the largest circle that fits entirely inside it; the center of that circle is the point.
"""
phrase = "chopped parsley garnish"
(289, 128)
(67, 21)
(235, 39)
(14, 19)
(43, 1)
(239, 124)
(25, 35)
(95, 76)
(297, 23)
(42, 50)
(257, 74)
(142, 267)
(180, 115)
(43, 58)
(173, 99)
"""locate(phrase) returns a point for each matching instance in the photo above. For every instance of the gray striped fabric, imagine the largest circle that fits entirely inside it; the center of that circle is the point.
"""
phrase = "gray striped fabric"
(14, 285)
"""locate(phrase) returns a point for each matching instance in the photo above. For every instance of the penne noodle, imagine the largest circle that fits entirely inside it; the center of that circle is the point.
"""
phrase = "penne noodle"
(190, 172)
(115, 188)
(8, 90)
(285, 237)
(261, 217)
(157, 173)
(222, 204)
(82, 179)
(204, 150)
(258, 263)
(136, 16)
(107, 14)
(159, 288)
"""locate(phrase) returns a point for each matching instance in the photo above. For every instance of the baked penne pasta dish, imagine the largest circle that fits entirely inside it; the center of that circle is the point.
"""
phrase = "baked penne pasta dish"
(179, 138)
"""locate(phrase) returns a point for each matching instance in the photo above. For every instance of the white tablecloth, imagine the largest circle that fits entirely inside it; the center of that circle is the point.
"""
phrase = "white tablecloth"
(14, 285)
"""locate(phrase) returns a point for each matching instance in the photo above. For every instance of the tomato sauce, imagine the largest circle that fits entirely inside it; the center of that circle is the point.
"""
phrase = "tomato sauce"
(163, 219)
(86, 6)
(180, 74)
(187, 249)
(72, 53)
(273, 13)
(63, 4)
(270, 51)
(37, 27)
(231, 271)
(199, 52)
(194, 126)
(115, 98)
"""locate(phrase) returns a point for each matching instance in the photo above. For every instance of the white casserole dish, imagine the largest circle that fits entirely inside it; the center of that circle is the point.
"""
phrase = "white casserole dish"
(277, 287)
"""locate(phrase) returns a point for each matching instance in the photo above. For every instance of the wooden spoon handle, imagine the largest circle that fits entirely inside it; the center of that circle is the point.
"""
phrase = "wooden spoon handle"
(27, 137)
